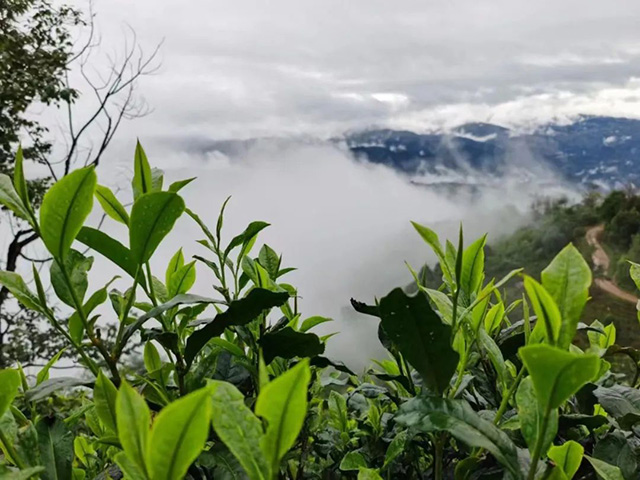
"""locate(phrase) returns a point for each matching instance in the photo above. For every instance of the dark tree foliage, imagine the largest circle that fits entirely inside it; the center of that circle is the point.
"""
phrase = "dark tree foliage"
(35, 49)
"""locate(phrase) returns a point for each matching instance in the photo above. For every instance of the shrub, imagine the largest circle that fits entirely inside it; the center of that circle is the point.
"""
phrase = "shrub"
(475, 385)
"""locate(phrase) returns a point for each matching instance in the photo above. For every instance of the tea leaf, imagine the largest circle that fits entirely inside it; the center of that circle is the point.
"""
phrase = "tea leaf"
(111, 205)
(55, 443)
(142, 178)
(111, 249)
(431, 414)
(18, 288)
(152, 218)
(473, 267)
(11, 199)
(182, 280)
(283, 404)
(567, 279)
(240, 312)
(604, 470)
(76, 267)
(239, 429)
(178, 435)
(288, 343)
(176, 262)
(133, 418)
(64, 209)
(9, 385)
(549, 320)
(567, 457)
(531, 416)
(104, 398)
(421, 336)
(557, 374)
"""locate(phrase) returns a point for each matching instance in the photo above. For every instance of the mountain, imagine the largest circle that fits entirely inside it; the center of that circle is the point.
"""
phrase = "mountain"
(601, 151)
(591, 151)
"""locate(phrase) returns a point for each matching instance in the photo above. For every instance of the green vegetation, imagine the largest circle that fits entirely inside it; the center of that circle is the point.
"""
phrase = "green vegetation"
(477, 384)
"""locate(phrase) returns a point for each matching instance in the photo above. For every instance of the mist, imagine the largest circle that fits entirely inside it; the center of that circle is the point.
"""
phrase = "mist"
(344, 224)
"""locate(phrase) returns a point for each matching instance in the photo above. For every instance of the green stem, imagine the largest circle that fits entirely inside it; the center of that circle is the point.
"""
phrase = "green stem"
(539, 443)
(12, 451)
(505, 399)
(111, 364)
(438, 453)
(125, 314)
(89, 362)
(152, 295)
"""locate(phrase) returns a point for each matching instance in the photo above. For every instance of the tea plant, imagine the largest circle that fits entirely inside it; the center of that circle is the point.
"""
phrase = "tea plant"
(475, 385)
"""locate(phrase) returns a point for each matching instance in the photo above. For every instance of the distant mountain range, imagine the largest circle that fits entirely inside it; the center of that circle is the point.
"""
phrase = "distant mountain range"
(592, 151)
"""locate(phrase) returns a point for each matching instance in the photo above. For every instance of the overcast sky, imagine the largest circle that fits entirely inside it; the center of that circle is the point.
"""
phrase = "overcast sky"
(247, 68)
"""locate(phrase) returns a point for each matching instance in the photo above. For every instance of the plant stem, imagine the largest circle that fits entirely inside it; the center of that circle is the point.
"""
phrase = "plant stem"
(111, 364)
(535, 457)
(505, 399)
(150, 278)
(438, 444)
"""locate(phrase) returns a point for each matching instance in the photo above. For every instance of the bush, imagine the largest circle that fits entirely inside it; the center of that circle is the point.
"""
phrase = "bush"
(475, 386)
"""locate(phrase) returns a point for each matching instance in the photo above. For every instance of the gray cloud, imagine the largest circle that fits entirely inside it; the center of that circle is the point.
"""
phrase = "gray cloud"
(251, 68)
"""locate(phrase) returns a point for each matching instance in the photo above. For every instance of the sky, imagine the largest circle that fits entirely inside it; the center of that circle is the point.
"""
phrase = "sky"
(301, 68)
(247, 68)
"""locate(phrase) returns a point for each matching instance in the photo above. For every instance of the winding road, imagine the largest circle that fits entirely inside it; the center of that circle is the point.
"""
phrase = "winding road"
(601, 264)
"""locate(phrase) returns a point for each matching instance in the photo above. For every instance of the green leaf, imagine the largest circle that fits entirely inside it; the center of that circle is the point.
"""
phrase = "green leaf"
(142, 179)
(549, 320)
(240, 312)
(311, 322)
(494, 317)
(621, 402)
(178, 435)
(15, 284)
(20, 182)
(111, 205)
(182, 280)
(157, 179)
(239, 429)
(531, 416)
(283, 405)
(288, 343)
(245, 237)
(160, 309)
(176, 262)
(352, 461)
(557, 374)
(634, 273)
(55, 443)
(368, 474)
(604, 470)
(567, 279)
(423, 339)
(130, 470)
(109, 248)
(615, 449)
(76, 267)
(133, 418)
(270, 260)
(76, 327)
(152, 360)
(105, 396)
(44, 373)
(433, 241)
(26, 474)
(395, 449)
(47, 387)
(152, 218)
(11, 199)
(473, 267)
(9, 385)
(432, 414)
(180, 184)
(495, 356)
(64, 209)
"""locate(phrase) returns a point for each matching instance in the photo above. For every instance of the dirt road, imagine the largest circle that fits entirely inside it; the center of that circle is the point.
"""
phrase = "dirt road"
(601, 264)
